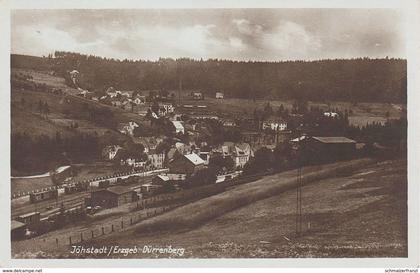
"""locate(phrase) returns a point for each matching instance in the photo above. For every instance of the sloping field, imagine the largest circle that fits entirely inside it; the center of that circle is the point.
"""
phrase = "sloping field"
(44, 77)
(350, 209)
(84, 172)
(195, 214)
(22, 184)
(361, 215)
(25, 121)
(362, 113)
(198, 213)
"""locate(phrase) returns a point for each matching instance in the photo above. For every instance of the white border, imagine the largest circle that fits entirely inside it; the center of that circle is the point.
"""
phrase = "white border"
(409, 8)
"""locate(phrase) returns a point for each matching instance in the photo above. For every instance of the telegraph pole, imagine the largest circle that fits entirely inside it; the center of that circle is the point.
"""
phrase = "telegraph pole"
(299, 184)
(179, 68)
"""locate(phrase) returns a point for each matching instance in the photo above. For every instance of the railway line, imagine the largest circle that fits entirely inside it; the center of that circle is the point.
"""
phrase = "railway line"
(71, 200)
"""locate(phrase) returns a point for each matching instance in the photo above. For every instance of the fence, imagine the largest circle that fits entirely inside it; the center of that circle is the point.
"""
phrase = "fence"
(146, 208)
(117, 225)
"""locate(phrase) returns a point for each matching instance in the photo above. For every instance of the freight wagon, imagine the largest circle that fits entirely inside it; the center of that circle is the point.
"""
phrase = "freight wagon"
(104, 184)
(77, 187)
(43, 195)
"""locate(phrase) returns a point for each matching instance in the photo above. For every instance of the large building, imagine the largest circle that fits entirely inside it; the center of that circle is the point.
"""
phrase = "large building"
(275, 125)
(240, 153)
(186, 164)
(330, 147)
(156, 160)
(112, 197)
(30, 219)
(17, 230)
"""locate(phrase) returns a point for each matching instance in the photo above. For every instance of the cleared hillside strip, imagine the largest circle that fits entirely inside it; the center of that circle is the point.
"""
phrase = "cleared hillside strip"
(197, 213)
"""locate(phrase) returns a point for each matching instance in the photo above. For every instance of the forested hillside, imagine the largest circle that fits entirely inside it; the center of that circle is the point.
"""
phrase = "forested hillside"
(356, 80)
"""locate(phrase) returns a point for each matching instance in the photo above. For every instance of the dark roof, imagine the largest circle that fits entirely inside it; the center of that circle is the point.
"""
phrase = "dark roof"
(119, 190)
(16, 224)
(334, 139)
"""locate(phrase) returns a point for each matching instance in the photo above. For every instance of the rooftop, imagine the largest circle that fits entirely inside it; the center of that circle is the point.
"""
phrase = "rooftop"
(29, 214)
(62, 169)
(334, 139)
(299, 138)
(177, 124)
(119, 190)
(195, 159)
(16, 224)
(163, 177)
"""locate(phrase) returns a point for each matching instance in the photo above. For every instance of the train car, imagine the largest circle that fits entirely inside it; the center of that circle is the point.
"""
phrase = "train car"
(131, 179)
(77, 187)
(43, 195)
(104, 184)
(119, 181)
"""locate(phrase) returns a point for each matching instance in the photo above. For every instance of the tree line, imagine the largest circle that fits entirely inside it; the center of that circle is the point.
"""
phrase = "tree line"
(357, 80)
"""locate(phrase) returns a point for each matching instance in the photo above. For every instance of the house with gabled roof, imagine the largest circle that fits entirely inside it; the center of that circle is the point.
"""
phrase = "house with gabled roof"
(113, 197)
(127, 128)
(110, 151)
(275, 124)
(240, 152)
(179, 128)
(186, 164)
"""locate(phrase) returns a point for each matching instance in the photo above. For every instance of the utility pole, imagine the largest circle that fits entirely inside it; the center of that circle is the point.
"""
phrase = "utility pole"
(179, 68)
(299, 184)
(179, 90)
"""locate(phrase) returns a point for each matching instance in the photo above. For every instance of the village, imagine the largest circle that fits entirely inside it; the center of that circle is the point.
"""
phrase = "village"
(182, 144)
(169, 134)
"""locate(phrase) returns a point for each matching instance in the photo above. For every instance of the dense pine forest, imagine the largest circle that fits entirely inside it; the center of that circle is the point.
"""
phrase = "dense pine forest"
(356, 80)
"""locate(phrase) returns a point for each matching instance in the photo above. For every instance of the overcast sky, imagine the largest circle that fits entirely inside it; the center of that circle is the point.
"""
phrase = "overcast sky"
(240, 34)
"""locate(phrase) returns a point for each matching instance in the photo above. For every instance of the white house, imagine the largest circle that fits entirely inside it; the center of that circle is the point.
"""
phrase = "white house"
(166, 108)
(149, 143)
(331, 114)
(127, 94)
(112, 93)
(133, 162)
(228, 123)
(205, 156)
(219, 95)
(176, 176)
(139, 100)
(240, 153)
(74, 75)
(128, 128)
(179, 128)
(156, 160)
(198, 96)
(275, 125)
(109, 152)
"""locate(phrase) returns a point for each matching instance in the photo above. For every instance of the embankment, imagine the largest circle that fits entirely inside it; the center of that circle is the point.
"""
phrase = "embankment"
(197, 213)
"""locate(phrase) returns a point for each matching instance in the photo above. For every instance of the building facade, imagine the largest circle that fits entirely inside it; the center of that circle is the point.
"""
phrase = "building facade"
(113, 197)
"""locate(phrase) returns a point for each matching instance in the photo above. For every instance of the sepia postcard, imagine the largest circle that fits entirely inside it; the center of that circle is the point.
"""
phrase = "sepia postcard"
(271, 134)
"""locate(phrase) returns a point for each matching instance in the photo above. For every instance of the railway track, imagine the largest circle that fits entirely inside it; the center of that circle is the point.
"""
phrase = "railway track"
(67, 200)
